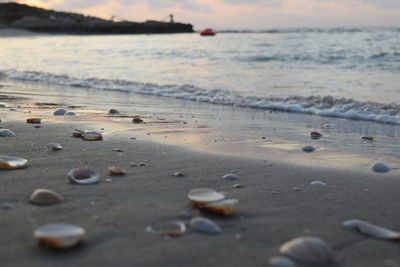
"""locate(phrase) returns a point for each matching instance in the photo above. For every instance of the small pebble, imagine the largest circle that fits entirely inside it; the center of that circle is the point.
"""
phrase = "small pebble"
(238, 186)
(7, 206)
(308, 149)
(59, 112)
(178, 174)
(113, 111)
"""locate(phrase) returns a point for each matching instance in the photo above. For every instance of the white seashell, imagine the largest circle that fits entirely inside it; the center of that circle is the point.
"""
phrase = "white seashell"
(307, 249)
(202, 196)
(11, 163)
(170, 232)
(83, 176)
(308, 149)
(371, 229)
(222, 207)
(318, 183)
(69, 113)
(45, 197)
(54, 146)
(281, 261)
(315, 135)
(204, 225)
(230, 176)
(59, 235)
(92, 136)
(59, 112)
(7, 133)
(380, 167)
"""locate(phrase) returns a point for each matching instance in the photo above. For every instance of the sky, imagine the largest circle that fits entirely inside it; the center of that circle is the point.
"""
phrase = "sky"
(240, 14)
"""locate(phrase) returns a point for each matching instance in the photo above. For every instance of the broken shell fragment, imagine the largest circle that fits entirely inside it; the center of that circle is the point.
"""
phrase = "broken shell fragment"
(45, 197)
(203, 196)
(92, 136)
(78, 133)
(116, 171)
(315, 135)
(320, 183)
(113, 111)
(54, 146)
(59, 235)
(59, 112)
(204, 225)
(224, 207)
(179, 231)
(308, 149)
(281, 261)
(34, 120)
(380, 167)
(83, 176)
(371, 229)
(7, 133)
(307, 249)
(12, 163)
(137, 119)
(230, 176)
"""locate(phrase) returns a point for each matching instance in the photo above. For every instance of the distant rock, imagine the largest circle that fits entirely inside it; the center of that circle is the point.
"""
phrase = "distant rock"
(20, 16)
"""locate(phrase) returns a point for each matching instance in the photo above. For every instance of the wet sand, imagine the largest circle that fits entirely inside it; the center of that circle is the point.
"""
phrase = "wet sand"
(277, 203)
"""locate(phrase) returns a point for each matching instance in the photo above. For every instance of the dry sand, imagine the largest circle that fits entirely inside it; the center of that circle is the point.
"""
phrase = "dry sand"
(277, 203)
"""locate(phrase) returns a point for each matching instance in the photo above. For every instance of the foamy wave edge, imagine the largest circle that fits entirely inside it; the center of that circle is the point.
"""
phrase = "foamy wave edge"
(326, 106)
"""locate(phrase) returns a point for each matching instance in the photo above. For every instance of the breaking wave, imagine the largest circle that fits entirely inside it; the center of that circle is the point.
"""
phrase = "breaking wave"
(328, 106)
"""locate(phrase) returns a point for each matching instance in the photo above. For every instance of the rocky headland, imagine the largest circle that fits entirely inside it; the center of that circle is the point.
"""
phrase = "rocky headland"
(20, 16)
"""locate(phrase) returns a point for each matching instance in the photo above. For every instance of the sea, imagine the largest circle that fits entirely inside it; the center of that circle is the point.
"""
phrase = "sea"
(321, 78)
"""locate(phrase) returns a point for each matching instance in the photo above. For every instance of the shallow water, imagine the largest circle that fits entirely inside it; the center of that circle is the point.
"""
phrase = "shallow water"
(347, 73)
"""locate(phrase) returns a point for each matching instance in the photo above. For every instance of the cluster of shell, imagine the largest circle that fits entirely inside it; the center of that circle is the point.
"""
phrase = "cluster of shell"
(87, 135)
(212, 201)
(63, 112)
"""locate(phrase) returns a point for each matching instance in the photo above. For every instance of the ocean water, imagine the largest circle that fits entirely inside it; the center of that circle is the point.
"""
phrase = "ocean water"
(345, 73)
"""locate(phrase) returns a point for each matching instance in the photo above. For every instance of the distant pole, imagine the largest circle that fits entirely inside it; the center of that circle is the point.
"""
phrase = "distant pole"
(171, 18)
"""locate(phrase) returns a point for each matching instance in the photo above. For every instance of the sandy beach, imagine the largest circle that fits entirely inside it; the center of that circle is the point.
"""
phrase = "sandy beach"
(277, 201)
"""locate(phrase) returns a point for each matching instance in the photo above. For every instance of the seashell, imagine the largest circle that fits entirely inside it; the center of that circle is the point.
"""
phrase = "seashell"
(7, 133)
(54, 146)
(223, 207)
(113, 111)
(315, 135)
(205, 226)
(318, 183)
(170, 232)
(34, 120)
(380, 167)
(137, 119)
(45, 197)
(78, 133)
(12, 163)
(367, 138)
(92, 136)
(142, 164)
(371, 229)
(202, 196)
(307, 249)
(59, 235)
(281, 261)
(59, 112)
(238, 186)
(116, 171)
(230, 176)
(178, 174)
(70, 113)
(83, 176)
(308, 149)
